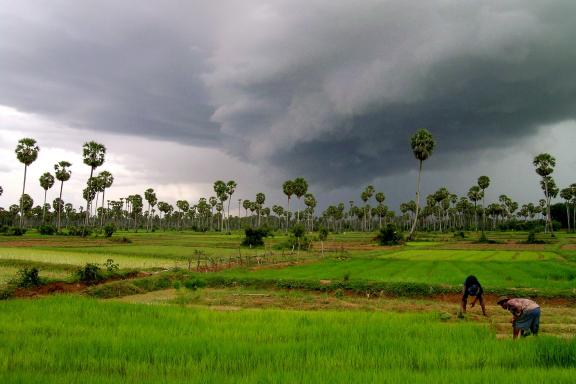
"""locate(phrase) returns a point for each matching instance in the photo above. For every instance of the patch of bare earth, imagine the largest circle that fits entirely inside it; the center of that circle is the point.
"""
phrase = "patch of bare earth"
(349, 246)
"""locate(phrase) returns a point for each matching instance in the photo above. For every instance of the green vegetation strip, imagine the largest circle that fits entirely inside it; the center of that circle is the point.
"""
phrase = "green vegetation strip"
(70, 339)
(369, 288)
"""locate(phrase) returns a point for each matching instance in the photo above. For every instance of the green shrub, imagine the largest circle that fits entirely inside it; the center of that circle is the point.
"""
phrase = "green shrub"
(532, 239)
(90, 274)
(110, 266)
(47, 229)
(14, 231)
(109, 230)
(194, 284)
(79, 231)
(322, 234)
(254, 237)
(389, 236)
(28, 278)
(176, 285)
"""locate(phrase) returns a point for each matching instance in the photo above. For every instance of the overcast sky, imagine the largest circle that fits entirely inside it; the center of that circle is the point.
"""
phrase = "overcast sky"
(183, 93)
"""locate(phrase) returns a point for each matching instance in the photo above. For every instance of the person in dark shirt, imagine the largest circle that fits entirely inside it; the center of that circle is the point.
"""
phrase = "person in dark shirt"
(472, 287)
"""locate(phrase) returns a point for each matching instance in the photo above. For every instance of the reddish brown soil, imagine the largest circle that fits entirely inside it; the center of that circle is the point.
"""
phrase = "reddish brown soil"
(62, 287)
(56, 287)
(349, 246)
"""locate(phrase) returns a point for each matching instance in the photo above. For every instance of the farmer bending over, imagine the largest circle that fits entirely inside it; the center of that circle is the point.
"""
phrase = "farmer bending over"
(472, 287)
(526, 315)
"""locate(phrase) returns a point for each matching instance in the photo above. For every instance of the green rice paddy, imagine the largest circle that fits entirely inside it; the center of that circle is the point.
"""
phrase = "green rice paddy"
(72, 339)
(182, 338)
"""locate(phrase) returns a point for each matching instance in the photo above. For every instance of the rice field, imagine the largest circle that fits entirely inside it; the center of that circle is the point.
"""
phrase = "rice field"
(72, 339)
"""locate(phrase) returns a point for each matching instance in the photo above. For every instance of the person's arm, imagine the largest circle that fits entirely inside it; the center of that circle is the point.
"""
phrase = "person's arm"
(464, 300)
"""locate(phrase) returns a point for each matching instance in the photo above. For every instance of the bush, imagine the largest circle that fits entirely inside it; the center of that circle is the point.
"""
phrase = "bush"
(110, 266)
(14, 231)
(28, 278)
(459, 235)
(109, 230)
(532, 239)
(79, 231)
(90, 274)
(322, 234)
(194, 284)
(389, 236)
(47, 229)
(254, 237)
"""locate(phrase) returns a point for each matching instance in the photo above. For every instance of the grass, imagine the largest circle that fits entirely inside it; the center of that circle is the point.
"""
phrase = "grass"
(70, 339)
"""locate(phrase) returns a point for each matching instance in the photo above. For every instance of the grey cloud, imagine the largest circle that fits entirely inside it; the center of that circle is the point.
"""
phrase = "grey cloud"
(352, 81)
(328, 90)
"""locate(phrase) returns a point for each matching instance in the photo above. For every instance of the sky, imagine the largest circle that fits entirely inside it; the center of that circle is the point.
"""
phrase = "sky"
(183, 93)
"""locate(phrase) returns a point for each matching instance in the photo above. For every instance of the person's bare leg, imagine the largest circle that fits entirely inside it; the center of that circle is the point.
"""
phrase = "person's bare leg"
(515, 332)
(482, 306)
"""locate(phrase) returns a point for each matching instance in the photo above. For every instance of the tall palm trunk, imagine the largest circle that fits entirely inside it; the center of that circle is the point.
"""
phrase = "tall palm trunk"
(44, 207)
(60, 204)
(417, 202)
(21, 198)
(87, 202)
(548, 215)
(102, 206)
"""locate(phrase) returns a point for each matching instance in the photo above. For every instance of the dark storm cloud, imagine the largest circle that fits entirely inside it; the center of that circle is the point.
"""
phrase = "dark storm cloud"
(128, 67)
(328, 90)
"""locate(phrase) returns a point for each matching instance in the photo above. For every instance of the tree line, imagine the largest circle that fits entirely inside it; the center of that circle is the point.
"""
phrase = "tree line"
(442, 210)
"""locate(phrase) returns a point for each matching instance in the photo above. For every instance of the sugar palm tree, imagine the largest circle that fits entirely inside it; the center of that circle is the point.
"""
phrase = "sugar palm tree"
(94, 155)
(46, 182)
(566, 194)
(260, 199)
(150, 197)
(422, 144)
(26, 152)
(230, 189)
(300, 189)
(545, 164)
(62, 174)
(106, 181)
(483, 183)
(288, 189)
(475, 194)
(310, 202)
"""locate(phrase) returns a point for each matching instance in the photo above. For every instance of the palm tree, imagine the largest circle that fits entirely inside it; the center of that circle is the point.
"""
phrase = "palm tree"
(93, 154)
(310, 202)
(422, 144)
(483, 183)
(106, 181)
(475, 194)
(566, 194)
(260, 199)
(62, 174)
(46, 182)
(300, 189)
(26, 152)
(230, 189)
(150, 197)
(288, 189)
(545, 164)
